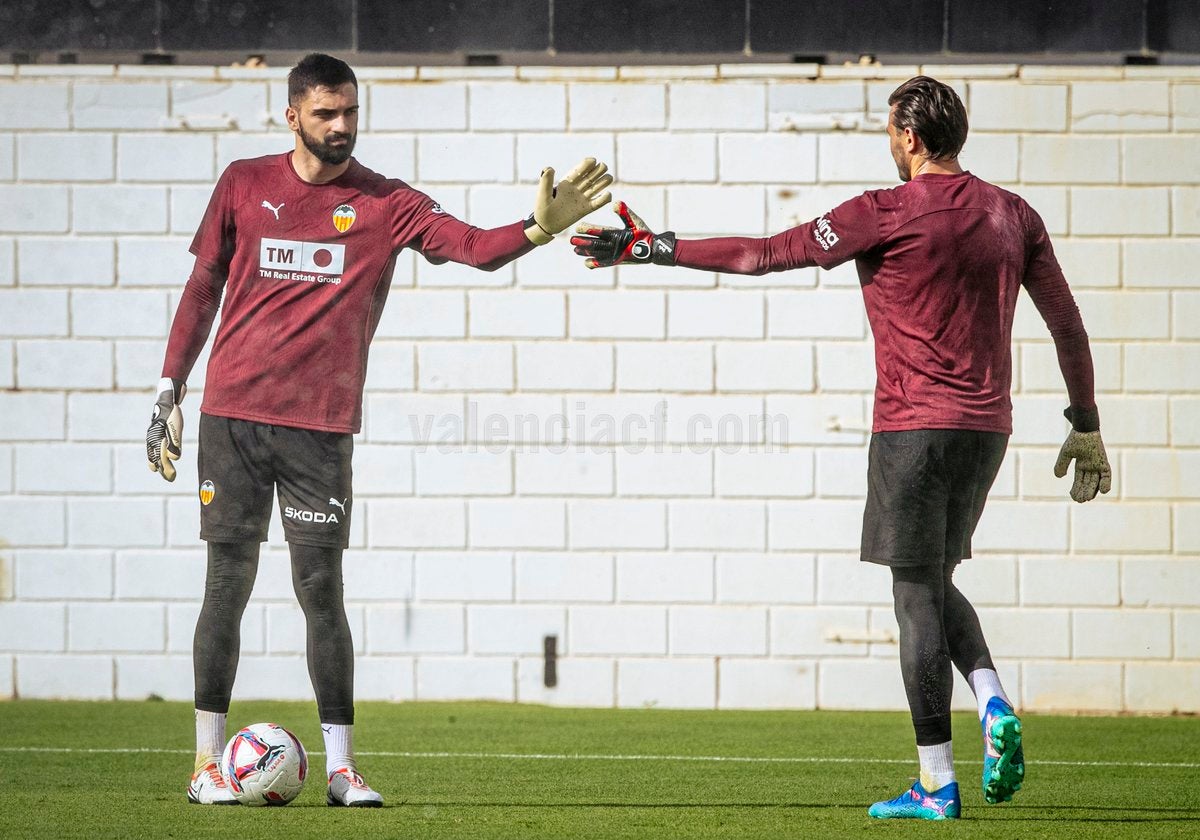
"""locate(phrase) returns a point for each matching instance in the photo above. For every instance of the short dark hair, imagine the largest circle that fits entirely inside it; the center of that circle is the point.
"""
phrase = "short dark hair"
(935, 114)
(318, 70)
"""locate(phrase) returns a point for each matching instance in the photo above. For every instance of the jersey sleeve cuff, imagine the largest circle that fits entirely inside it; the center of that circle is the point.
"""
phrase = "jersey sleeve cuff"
(1083, 419)
(535, 233)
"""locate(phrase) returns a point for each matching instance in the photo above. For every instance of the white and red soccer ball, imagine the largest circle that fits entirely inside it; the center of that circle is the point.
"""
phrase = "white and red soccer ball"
(264, 764)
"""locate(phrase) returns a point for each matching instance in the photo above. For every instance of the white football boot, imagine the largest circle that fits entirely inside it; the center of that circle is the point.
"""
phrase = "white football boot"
(347, 788)
(208, 786)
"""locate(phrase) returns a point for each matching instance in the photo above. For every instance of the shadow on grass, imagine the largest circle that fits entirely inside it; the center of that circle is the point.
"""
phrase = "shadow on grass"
(1093, 813)
(1020, 813)
(1010, 813)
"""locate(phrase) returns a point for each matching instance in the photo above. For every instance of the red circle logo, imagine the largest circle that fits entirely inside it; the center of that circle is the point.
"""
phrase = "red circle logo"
(322, 257)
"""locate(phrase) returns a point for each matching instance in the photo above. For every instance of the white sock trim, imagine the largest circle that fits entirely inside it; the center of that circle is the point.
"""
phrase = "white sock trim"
(339, 746)
(210, 733)
(937, 765)
(986, 684)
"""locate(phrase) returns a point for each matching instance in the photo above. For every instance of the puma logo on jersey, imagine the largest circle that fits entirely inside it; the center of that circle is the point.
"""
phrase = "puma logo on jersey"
(341, 504)
(268, 206)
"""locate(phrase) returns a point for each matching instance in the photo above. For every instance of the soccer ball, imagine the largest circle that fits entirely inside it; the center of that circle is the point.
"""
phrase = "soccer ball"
(264, 764)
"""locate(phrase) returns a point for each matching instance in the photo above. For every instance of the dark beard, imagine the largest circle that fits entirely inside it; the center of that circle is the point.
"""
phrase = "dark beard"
(325, 153)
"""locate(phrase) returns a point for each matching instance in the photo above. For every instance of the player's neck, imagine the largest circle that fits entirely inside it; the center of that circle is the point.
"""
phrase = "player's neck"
(315, 171)
(924, 166)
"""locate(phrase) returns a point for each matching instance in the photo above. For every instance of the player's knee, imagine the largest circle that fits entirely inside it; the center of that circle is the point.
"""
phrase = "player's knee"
(916, 601)
(318, 590)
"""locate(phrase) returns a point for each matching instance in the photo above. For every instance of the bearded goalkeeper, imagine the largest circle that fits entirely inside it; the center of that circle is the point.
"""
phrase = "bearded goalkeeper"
(303, 245)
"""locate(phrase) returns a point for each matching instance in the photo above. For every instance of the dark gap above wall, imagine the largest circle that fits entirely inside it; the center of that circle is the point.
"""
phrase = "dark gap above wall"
(584, 32)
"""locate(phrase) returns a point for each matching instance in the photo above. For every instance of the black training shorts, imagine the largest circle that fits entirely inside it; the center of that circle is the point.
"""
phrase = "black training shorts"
(240, 464)
(925, 493)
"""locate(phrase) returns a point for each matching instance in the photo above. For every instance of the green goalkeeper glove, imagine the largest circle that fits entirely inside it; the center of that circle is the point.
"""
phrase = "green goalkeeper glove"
(164, 438)
(635, 243)
(559, 207)
(1084, 446)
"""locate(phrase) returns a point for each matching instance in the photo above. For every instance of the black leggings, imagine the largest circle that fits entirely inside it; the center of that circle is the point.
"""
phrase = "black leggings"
(938, 626)
(317, 579)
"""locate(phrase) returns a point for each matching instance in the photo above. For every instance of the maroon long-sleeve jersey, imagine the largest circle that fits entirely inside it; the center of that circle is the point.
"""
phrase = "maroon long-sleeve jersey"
(305, 270)
(941, 260)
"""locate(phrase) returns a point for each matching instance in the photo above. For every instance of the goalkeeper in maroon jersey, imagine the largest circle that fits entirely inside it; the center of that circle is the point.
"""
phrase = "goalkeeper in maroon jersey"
(941, 260)
(303, 245)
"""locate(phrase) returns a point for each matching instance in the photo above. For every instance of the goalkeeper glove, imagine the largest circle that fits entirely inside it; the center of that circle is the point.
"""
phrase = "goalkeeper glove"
(1084, 446)
(164, 438)
(557, 208)
(635, 243)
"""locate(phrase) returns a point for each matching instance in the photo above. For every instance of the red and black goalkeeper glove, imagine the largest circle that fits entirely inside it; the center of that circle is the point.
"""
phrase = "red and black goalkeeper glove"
(634, 243)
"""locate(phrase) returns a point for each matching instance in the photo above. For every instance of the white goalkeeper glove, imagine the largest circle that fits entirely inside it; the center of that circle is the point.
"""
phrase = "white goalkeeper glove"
(164, 438)
(1092, 471)
(1085, 447)
(559, 207)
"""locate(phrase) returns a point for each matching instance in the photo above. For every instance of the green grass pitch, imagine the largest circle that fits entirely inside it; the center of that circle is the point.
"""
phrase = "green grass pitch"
(475, 770)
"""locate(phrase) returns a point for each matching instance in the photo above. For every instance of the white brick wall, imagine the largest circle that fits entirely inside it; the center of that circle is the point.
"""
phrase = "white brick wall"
(631, 106)
(119, 105)
(34, 209)
(665, 578)
(54, 261)
(684, 683)
(581, 682)
(36, 105)
(65, 157)
(7, 147)
(766, 684)
(517, 106)
(70, 676)
(119, 209)
(1120, 106)
(530, 463)
(667, 158)
(33, 313)
(417, 107)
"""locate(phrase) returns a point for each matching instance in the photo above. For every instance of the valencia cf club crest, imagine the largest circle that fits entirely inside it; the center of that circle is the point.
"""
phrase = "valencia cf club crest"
(343, 218)
(207, 491)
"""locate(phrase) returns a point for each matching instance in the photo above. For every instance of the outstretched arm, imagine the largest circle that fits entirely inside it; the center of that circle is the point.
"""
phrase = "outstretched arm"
(746, 255)
(842, 234)
(452, 240)
(556, 208)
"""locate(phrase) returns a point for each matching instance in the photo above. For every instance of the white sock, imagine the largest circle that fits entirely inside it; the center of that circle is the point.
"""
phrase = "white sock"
(210, 735)
(937, 766)
(339, 746)
(986, 684)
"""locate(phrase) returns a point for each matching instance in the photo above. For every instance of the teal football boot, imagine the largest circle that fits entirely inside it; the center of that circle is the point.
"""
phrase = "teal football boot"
(916, 803)
(1003, 758)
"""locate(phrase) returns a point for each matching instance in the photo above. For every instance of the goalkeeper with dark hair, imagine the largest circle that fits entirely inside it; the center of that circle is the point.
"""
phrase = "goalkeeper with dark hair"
(303, 245)
(941, 260)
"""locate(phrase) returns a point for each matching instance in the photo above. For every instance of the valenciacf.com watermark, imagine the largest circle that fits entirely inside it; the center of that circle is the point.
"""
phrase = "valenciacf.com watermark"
(582, 427)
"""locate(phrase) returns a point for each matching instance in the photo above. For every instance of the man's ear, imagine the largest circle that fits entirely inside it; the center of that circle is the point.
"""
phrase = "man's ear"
(292, 116)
